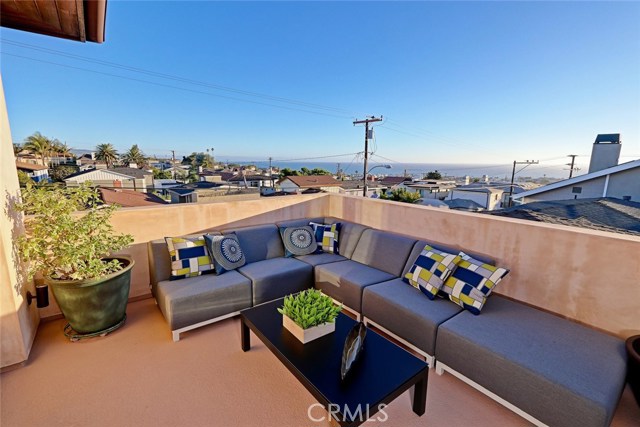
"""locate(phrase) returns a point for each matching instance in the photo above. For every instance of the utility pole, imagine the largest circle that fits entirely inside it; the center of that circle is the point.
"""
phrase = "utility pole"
(573, 161)
(366, 122)
(173, 164)
(513, 175)
(270, 172)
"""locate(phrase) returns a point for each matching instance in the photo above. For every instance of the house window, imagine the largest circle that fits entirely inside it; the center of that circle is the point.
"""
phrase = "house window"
(576, 190)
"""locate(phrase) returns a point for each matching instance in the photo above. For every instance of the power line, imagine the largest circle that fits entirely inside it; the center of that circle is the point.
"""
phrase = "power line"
(173, 77)
(177, 87)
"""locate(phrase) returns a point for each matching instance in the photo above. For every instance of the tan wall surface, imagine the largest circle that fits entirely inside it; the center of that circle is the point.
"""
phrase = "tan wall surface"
(589, 276)
(18, 321)
(585, 275)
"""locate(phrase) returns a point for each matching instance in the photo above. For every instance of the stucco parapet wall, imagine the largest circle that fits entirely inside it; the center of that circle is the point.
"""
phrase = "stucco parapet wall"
(590, 276)
(150, 222)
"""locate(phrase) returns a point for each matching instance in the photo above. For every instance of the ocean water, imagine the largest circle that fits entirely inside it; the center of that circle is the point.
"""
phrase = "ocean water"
(418, 170)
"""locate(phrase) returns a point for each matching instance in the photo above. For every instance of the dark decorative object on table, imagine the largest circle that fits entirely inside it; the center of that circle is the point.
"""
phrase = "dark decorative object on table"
(633, 370)
(353, 346)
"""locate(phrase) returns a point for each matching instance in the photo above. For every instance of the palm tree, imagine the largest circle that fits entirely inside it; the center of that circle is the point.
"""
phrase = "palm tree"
(107, 153)
(39, 145)
(134, 155)
(61, 148)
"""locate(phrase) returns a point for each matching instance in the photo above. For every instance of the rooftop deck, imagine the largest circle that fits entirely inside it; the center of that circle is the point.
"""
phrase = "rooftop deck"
(138, 377)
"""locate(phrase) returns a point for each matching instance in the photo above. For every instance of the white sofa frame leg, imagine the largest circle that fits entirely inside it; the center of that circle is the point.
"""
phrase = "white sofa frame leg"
(175, 334)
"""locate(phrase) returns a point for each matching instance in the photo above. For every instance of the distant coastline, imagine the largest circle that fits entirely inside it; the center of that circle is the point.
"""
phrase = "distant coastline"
(417, 170)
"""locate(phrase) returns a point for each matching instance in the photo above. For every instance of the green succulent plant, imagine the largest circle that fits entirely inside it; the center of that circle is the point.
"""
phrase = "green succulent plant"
(310, 308)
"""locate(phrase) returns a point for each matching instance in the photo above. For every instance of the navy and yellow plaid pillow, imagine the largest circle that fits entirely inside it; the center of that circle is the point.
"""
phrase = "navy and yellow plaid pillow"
(327, 236)
(472, 282)
(431, 269)
(189, 257)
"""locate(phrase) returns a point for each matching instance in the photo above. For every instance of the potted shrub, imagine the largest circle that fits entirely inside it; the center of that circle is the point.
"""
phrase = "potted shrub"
(73, 252)
(309, 315)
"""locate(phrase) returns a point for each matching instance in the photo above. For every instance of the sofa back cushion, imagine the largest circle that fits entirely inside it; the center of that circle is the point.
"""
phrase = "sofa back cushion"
(298, 222)
(159, 262)
(350, 234)
(259, 242)
(383, 250)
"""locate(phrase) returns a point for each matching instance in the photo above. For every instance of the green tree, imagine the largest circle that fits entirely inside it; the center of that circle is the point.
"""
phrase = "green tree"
(160, 174)
(319, 171)
(134, 155)
(288, 172)
(433, 175)
(24, 179)
(401, 195)
(59, 172)
(61, 148)
(39, 145)
(106, 153)
(198, 159)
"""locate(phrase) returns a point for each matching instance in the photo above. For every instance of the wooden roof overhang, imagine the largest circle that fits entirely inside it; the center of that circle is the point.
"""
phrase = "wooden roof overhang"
(69, 19)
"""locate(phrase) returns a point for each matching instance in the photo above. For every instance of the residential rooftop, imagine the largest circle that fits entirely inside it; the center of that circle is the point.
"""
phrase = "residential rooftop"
(30, 166)
(129, 198)
(604, 213)
(310, 181)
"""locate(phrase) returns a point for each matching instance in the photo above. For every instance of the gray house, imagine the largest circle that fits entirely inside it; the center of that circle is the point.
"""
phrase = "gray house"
(606, 178)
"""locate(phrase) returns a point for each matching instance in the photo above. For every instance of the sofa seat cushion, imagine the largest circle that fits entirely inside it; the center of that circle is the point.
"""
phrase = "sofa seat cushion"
(345, 281)
(277, 277)
(196, 299)
(401, 309)
(319, 259)
(561, 373)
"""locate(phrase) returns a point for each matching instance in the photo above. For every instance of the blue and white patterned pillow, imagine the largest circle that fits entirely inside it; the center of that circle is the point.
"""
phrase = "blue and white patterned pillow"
(430, 270)
(189, 257)
(226, 252)
(327, 237)
(472, 282)
(298, 240)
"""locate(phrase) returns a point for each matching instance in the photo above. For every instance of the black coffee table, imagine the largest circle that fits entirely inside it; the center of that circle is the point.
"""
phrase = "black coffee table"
(383, 372)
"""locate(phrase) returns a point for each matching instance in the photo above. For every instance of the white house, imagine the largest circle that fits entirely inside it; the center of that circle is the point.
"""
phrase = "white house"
(429, 189)
(36, 172)
(606, 178)
(129, 178)
(488, 197)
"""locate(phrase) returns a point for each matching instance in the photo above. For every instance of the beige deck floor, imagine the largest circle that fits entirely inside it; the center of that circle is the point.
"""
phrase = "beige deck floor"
(138, 377)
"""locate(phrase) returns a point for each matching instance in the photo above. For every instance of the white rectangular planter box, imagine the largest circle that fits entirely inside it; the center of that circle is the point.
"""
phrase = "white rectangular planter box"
(306, 335)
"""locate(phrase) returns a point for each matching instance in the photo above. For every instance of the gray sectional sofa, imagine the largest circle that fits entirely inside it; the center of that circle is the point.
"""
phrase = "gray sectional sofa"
(547, 369)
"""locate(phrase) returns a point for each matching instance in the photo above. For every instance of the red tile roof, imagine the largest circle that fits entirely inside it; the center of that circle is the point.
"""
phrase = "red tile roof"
(312, 181)
(30, 166)
(129, 198)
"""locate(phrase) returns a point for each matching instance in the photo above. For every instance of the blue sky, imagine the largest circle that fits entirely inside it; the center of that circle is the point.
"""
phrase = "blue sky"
(458, 82)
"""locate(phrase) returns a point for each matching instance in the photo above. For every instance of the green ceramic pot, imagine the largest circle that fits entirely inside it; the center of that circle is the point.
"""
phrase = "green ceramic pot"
(94, 305)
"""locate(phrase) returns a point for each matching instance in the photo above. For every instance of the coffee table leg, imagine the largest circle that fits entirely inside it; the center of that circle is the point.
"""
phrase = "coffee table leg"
(244, 336)
(420, 395)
